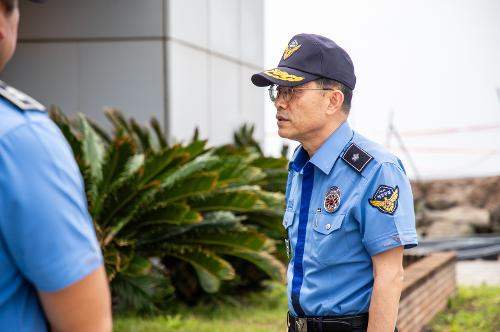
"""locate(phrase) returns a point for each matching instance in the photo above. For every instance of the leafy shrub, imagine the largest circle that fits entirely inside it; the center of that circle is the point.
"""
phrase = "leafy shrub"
(170, 219)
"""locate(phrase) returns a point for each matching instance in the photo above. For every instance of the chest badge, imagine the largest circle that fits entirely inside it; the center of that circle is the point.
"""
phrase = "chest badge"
(332, 199)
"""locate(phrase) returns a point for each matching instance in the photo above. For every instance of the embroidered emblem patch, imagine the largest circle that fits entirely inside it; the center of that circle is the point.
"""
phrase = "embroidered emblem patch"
(292, 48)
(332, 199)
(385, 199)
(283, 75)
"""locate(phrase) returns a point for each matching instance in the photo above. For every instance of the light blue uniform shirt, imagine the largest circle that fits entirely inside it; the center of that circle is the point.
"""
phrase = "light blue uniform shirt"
(352, 200)
(47, 240)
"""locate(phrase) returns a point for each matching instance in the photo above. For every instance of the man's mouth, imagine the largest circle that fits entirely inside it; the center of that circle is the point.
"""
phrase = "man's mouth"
(281, 118)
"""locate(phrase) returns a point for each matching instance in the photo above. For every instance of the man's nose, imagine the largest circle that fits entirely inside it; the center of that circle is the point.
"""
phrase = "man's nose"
(280, 102)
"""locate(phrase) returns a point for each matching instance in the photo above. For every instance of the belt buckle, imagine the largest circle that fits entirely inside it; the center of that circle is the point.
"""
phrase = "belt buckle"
(300, 324)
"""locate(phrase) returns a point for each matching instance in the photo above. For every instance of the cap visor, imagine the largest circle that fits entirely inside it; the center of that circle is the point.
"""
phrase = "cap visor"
(283, 76)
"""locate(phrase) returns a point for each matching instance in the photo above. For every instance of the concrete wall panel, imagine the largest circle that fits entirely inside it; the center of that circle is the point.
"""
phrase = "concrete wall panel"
(224, 27)
(188, 21)
(91, 19)
(252, 32)
(84, 55)
(48, 72)
(127, 75)
(225, 114)
(188, 91)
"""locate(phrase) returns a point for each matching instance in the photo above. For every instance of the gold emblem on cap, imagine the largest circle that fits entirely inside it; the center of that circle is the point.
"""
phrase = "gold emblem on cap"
(292, 48)
(283, 75)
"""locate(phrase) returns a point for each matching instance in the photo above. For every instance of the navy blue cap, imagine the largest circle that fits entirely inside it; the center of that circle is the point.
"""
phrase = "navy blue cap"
(307, 58)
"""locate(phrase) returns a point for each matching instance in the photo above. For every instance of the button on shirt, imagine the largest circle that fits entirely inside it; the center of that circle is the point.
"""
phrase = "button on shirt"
(367, 212)
(47, 240)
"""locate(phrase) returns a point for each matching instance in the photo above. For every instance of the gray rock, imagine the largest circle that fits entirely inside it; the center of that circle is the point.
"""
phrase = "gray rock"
(441, 202)
(459, 215)
(459, 220)
(443, 228)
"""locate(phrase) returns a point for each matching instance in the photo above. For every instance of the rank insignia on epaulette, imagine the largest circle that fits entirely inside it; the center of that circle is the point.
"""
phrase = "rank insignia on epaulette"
(19, 99)
(356, 157)
(385, 199)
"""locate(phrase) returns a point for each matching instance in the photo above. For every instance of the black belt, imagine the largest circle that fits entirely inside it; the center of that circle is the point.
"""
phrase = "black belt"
(328, 324)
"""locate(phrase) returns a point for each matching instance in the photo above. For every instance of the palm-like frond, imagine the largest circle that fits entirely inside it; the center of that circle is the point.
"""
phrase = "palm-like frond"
(262, 259)
(243, 138)
(227, 200)
(196, 185)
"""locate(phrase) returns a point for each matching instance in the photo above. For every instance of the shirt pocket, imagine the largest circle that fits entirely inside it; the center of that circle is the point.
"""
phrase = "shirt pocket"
(326, 232)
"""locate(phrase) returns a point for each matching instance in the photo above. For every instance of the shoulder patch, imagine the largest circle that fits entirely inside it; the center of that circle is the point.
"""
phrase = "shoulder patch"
(385, 199)
(356, 157)
(19, 99)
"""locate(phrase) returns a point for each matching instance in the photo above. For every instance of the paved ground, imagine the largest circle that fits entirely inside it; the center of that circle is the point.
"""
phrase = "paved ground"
(476, 272)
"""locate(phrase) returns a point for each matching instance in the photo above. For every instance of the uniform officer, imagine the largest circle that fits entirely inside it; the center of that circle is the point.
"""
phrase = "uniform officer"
(51, 268)
(349, 206)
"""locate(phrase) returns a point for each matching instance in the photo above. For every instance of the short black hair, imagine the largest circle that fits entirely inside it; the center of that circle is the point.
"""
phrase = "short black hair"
(327, 83)
(9, 5)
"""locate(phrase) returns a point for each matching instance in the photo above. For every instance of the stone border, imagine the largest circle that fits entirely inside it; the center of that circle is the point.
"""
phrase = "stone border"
(429, 283)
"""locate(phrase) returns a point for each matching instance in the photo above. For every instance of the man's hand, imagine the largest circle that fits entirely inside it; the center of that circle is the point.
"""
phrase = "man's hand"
(85, 306)
(388, 283)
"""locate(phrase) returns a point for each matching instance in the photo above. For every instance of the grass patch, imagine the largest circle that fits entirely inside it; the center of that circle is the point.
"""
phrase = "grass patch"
(472, 309)
(258, 312)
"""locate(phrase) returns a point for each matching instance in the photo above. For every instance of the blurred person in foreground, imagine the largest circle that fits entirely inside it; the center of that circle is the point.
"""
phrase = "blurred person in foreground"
(51, 267)
(349, 206)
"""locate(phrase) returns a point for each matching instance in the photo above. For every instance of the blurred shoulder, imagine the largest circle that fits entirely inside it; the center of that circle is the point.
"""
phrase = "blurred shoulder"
(18, 109)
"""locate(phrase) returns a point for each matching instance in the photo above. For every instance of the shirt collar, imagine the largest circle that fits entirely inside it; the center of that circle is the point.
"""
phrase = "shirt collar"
(327, 153)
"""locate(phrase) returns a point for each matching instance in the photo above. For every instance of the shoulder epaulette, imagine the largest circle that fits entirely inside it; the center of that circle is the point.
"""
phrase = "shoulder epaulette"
(19, 99)
(356, 157)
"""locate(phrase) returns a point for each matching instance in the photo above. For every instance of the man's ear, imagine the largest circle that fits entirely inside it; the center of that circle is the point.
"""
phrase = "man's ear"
(336, 101)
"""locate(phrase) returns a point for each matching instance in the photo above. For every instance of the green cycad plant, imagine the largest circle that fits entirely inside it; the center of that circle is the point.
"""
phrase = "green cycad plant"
(157, 207)
(275, 168)
(268, 221)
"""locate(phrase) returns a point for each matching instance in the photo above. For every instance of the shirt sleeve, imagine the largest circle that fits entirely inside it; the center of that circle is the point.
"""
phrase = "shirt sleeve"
(44, 219)
(387, 217)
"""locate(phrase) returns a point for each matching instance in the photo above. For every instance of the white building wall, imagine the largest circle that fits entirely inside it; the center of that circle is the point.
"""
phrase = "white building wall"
(186, 62)
(212, 52)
